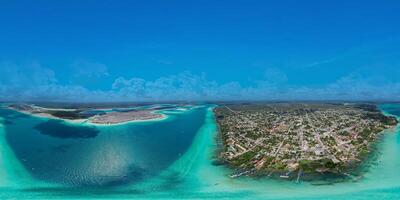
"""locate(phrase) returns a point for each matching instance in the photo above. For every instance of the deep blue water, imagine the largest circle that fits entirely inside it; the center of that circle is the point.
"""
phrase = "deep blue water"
(60, 152)
(57, 128)
(392, 109)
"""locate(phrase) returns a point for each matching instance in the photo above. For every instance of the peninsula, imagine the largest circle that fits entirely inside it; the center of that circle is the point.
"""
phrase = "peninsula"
(90, 115)
(121, 117)
(288, 140)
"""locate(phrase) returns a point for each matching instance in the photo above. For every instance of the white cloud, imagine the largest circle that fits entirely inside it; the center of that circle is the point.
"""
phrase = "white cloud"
(29, 74)
(35, 82)
(183, 86)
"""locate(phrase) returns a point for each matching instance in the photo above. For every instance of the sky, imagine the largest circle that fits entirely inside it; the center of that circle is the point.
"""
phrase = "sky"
(199, 50)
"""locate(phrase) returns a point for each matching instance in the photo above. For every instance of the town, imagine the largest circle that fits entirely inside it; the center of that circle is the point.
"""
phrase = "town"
(290, 139)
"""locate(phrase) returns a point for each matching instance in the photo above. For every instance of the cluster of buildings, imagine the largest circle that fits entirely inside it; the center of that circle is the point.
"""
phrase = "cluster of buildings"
(292, 137)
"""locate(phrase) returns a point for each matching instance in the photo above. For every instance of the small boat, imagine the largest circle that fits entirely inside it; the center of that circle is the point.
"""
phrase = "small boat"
(284, 176)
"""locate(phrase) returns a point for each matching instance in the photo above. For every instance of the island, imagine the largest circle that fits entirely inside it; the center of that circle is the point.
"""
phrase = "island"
(100, 116)
(293, 140)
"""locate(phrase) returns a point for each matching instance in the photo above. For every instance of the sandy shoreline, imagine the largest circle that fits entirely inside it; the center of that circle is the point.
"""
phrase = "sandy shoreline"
(88, 121)
(163, 117)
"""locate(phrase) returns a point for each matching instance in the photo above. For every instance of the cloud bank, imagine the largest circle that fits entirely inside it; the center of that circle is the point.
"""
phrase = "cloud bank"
(33, 82)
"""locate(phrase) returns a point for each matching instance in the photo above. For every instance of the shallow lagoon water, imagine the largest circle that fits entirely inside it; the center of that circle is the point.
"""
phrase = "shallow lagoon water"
(81, 155)
(187, 173)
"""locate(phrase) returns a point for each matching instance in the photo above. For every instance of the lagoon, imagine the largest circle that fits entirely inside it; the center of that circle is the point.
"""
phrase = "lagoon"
(169, 159)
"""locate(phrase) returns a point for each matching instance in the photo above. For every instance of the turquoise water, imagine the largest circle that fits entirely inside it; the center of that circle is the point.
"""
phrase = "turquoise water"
(168, 163)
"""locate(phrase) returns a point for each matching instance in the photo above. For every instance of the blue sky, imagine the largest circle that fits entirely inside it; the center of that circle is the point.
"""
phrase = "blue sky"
(199, 50)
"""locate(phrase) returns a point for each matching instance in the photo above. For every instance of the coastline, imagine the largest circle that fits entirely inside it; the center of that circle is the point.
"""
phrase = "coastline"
(382, 109)
(88, 122)
(200, 178)
(162, 118)
(352, 172)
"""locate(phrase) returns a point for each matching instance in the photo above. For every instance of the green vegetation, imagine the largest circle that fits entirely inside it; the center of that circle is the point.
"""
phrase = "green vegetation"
(313, 137)
(66, 114)
(244, 159)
